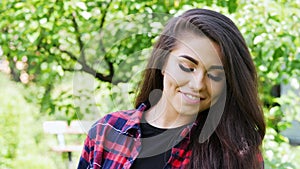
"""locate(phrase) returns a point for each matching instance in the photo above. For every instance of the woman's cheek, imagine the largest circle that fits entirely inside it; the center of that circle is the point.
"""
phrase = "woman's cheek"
(177, 75)
(217, 89)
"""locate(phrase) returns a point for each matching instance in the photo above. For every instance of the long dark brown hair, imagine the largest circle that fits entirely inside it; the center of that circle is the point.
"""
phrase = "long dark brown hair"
(236, 141)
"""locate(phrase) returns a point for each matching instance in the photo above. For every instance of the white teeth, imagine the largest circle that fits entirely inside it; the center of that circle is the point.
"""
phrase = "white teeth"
(192, 97)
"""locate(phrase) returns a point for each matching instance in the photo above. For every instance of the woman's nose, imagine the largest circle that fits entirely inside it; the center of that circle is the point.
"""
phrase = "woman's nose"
(197, 82)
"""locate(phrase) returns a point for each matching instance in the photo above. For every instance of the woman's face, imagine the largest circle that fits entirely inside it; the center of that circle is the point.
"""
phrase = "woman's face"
(193, 75)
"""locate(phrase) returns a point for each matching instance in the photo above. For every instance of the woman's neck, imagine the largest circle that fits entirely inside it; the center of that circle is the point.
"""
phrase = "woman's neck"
(162, 115)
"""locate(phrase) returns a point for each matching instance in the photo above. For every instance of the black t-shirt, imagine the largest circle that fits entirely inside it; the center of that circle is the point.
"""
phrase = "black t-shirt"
(156, 146)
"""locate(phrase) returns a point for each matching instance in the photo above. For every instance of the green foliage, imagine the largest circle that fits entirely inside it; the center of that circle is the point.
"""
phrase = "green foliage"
(43, 40)
(272, 33)
(85, 57)
(20, 139)
(9, 125)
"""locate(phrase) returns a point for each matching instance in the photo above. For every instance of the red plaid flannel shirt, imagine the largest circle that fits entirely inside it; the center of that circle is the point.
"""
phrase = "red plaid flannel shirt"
(114, 142)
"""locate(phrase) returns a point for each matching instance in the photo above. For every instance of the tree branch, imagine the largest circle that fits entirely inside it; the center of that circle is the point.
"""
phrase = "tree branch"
(86, 68)
(72, 56)
(13, 72)
(102, 21)
(78, 37)
(104, 14)
(70, 69)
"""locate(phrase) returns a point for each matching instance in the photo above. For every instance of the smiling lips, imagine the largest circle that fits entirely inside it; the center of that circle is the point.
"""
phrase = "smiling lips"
(191, 98)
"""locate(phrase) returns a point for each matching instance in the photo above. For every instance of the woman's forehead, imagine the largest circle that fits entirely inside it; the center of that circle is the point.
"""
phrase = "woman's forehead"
(200, 48)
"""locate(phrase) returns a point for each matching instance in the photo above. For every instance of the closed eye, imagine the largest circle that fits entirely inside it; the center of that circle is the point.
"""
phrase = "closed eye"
(186, 69)
(214, 78)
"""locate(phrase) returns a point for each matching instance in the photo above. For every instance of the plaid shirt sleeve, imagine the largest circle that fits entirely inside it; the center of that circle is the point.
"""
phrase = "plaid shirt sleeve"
(87, 156)
(109, 144)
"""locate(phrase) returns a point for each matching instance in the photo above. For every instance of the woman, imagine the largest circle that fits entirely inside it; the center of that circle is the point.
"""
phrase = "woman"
(197, 105)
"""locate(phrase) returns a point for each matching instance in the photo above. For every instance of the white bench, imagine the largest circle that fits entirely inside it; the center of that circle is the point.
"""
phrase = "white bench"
(61, 129)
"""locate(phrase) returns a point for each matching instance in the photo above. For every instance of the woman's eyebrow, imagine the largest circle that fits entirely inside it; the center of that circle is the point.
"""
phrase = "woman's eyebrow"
(190, 59)
(219, 67)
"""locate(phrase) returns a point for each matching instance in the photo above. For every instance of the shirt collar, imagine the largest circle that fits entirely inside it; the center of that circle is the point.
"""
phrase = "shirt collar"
(186, 132)
(134, 119)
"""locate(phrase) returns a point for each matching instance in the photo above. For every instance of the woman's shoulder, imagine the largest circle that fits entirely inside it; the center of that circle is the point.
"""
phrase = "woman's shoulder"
(117, 115)
(132, 115)
(118, 119)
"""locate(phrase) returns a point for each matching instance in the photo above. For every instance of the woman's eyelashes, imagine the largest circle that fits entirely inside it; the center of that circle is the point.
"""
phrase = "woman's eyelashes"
(209, 75)
(186, 68)
(215, 78)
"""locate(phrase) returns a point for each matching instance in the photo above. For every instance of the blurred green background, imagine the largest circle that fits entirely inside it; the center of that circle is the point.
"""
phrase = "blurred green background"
(71, 59)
